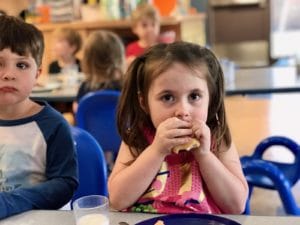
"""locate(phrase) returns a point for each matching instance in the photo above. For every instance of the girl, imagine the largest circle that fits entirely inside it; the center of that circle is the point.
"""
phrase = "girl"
(103, 63)
(173, 93)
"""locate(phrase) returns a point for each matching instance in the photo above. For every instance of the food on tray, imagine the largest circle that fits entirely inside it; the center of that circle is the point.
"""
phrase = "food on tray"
(159, 222)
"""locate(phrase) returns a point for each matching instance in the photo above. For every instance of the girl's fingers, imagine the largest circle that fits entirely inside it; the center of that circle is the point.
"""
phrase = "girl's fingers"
(175, 123)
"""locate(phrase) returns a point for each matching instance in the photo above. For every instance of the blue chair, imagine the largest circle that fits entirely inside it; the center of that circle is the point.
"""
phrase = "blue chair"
(91, 165)
(273, 175)
(96, 114)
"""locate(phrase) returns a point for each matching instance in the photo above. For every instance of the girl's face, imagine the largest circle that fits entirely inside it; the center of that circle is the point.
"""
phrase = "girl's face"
(18, 75)
(178, 92)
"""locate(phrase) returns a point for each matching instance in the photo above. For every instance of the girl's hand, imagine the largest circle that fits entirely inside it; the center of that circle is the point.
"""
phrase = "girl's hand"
(202, 133)
(170, 133)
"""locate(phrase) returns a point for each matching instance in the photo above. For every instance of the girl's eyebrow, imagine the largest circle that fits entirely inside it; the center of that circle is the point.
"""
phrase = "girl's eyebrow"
(196, 89)
(165, 91)
(23, 57)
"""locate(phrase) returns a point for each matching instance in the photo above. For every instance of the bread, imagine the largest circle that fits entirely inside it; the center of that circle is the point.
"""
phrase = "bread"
(194, 143)
(159, 222)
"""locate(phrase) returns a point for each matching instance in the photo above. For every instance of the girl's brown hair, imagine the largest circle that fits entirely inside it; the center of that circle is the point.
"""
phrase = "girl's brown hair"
(132, 119)
(103, 58)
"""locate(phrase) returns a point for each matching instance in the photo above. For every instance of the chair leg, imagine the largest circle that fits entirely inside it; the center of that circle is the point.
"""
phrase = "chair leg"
(247, 207)
(288, 200)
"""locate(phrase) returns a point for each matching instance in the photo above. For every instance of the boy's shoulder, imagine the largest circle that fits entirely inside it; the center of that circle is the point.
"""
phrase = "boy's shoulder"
(47, 126)
(47, 115)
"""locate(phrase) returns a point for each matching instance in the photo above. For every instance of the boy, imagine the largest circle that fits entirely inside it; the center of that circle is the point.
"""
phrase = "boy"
(38, 168)
(67, 42)
(146, 26)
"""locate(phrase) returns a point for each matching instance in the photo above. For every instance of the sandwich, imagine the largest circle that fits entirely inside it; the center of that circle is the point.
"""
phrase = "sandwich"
(194, 143)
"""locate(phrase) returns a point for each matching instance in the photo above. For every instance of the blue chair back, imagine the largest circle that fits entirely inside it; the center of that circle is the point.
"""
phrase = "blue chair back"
(91, 165)
(273, 175)
(97, 114)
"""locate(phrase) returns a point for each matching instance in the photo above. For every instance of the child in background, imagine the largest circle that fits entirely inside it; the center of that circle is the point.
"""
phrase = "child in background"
(38, 167)
(171, 94)
(67, 42)
(103, 63)
(146, 26)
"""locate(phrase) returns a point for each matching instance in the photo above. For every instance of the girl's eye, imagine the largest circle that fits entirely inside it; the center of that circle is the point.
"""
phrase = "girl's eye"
(195, 96)
(167, 98)
(22, 65)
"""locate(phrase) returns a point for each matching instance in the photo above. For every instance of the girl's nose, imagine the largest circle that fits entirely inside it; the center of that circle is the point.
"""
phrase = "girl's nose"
(183, 113)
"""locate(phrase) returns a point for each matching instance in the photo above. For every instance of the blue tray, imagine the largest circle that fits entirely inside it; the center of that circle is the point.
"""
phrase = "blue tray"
(190, 219)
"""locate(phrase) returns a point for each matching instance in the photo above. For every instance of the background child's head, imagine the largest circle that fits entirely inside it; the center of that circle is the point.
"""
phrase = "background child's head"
(67, 42)
(21, 38)
(146, 68)
(103, 57)
(145, 22)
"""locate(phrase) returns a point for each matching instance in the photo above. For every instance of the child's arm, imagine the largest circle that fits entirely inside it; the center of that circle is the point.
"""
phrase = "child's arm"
(128, 182)
(222, 174)
(59, 186)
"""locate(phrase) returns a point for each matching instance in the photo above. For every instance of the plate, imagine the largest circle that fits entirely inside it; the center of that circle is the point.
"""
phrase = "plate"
(46, 87)
(190, 219)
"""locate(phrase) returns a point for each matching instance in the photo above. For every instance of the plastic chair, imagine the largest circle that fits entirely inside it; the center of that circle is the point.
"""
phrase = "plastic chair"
(97, 114)
(272, 175)
(91, 165)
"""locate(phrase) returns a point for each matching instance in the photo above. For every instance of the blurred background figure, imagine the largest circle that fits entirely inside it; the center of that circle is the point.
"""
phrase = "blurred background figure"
(14, 7)
(145, 22)
(103, 63)
(66, 43)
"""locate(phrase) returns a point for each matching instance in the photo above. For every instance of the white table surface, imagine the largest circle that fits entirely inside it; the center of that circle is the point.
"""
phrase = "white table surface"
(60, 217)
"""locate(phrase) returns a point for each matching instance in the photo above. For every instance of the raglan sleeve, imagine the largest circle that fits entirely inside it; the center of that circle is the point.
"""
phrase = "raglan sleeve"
(61, 179)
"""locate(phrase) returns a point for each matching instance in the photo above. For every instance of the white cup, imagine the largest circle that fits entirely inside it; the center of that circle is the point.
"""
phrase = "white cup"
(91, 210)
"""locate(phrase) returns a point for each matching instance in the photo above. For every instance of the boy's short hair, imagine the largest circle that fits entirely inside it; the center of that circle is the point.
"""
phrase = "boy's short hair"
(144, 10)
(21, 38)
(70, 35)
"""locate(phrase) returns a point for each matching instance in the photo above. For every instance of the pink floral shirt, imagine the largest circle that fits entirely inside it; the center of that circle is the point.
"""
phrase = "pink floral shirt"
(177, 188)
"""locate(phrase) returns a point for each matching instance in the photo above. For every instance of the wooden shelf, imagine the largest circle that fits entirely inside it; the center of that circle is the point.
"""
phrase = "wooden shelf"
(187, 28)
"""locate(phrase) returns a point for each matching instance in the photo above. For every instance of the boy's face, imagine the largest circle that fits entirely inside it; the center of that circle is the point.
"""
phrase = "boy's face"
(147, 30)
(18, 75)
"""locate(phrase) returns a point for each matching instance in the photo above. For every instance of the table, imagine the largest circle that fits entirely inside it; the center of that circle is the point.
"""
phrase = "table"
(61, 217)
(264, 80)
(65, 93)
(62, 97)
